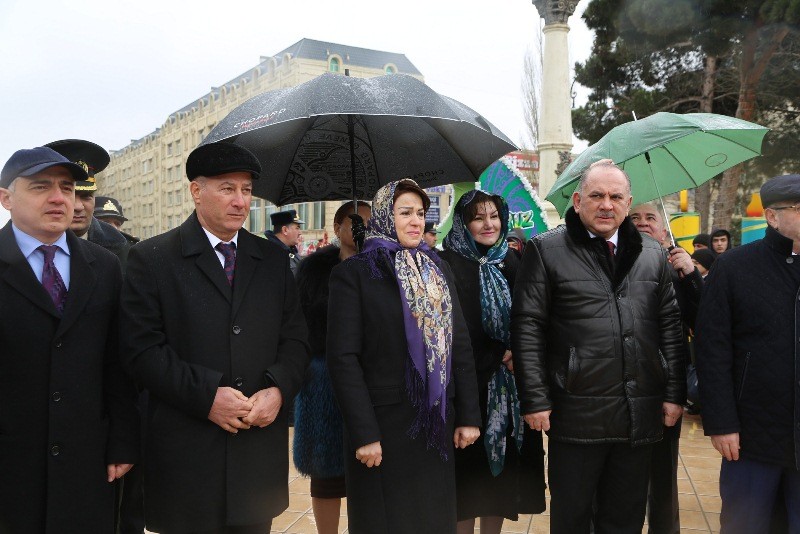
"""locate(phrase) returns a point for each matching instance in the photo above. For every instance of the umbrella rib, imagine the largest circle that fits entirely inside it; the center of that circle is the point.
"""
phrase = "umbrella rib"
(685, 170)
(735, 142)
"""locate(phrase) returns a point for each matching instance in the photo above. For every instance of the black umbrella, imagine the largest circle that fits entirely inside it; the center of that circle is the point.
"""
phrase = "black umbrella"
(337, 138)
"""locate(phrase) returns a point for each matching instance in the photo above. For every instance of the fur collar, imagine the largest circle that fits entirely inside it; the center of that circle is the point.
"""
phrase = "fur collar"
(630, 242)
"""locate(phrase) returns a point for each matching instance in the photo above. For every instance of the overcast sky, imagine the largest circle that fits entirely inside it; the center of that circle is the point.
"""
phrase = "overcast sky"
(110, 72)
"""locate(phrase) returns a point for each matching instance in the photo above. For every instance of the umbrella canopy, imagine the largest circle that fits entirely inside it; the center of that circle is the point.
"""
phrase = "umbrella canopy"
(308, 137)
(684, 152)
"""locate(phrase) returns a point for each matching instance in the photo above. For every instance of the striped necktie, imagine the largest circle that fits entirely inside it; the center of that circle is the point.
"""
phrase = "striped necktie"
(51, 278)
(228, 251)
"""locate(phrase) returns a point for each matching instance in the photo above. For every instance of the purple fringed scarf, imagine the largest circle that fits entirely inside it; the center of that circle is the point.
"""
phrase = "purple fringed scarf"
(427, 318)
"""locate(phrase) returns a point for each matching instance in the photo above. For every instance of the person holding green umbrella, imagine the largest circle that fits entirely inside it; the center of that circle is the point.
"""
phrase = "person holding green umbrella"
(663, 514)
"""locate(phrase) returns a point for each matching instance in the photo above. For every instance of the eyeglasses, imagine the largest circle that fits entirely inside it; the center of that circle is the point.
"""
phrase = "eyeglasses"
(795, 207)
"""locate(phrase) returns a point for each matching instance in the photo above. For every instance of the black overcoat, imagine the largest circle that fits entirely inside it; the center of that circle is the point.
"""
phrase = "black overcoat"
(66, 407)
(519, 488)
(188, 333)
(413, 490)
(111, 239)
(748, 349)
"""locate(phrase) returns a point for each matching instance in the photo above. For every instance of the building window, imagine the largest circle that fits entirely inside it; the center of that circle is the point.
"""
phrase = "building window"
(147, 165)
(169, 149)
(256, 216)
(177, 147)
(390, 69)
(335, 64)
(302, 212)
(319, 215)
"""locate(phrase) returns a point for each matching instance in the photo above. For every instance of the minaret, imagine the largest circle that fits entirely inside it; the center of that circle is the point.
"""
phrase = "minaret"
(555, 118)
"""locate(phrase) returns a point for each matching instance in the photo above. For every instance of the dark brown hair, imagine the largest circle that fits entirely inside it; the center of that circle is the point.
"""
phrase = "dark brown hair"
(480, 198)
(410, 186)
(346, 209)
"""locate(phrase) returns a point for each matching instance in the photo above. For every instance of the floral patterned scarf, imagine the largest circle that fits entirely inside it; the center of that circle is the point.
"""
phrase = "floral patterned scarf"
(503, 402)
(427, 318)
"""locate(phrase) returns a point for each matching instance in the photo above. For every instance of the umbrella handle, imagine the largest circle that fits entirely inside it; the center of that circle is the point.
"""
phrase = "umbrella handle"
(359, 230)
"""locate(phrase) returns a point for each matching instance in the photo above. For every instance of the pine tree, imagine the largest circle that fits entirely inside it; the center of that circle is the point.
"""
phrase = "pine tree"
(733, 57)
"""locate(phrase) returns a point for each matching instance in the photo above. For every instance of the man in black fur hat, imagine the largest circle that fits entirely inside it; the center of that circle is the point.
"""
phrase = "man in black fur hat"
(215, 332)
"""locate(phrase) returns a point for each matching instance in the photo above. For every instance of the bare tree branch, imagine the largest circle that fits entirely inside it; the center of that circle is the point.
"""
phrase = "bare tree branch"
(532, 89)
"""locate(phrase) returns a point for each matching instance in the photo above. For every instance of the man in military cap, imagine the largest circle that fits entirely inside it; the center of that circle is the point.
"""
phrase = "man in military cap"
(93, 158)
(430, 233)
(68, 418)
(748, 366)
(286, 234)
(215, 332)
(109, 210)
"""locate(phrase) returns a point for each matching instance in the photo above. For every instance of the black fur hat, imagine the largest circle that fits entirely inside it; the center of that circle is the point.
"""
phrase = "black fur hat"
(214, 159)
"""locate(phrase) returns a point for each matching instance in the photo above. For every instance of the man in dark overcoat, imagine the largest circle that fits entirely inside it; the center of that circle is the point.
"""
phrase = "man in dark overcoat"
(663, 513)
(215, 332)
(93, 158)
(598, 355)
(748, 366)
(68, 421)
(286, 234)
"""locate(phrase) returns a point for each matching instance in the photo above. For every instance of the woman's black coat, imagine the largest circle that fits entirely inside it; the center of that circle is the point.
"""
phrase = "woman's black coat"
(414, 489)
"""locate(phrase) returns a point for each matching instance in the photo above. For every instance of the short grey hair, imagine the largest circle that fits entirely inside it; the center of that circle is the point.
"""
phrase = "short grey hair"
(653, 205)
(606, 164)
(13, 185)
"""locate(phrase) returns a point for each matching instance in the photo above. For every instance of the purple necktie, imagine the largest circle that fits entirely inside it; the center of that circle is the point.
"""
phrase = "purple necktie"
(611, 247)
(228, 251)
(51, 278)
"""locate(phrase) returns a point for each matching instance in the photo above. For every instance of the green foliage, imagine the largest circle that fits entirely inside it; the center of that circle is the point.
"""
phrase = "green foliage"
(648, 56)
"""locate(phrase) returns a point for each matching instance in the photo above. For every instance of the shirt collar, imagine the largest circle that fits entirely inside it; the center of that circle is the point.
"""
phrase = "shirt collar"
(28, 244)
(214, 240)
(614, 238)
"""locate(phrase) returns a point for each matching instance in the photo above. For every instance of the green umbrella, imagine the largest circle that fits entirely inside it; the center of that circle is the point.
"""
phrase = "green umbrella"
(666, 153)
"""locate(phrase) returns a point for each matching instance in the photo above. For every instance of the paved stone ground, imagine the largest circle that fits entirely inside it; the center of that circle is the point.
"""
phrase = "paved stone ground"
(698, 476)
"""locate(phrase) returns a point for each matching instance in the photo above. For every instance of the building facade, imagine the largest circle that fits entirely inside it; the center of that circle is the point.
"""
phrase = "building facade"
(149, 177)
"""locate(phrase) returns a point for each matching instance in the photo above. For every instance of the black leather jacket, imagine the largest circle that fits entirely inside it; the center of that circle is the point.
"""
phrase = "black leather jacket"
(597, 344)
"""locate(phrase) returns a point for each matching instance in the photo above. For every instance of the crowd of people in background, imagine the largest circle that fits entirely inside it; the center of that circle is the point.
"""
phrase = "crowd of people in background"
(153, 383)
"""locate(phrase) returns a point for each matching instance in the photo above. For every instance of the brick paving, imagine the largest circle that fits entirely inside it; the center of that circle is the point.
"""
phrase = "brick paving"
(698, 474)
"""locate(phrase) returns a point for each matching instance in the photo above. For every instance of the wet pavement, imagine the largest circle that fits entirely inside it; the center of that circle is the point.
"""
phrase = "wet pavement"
(698, 475)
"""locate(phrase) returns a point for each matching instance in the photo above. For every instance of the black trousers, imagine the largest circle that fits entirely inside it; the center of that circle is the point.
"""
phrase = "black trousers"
(662, 501)
(131, 505)
(247, 529)
(615, 475)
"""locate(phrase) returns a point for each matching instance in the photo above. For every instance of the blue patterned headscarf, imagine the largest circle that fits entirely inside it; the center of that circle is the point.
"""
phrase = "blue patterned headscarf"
(427, 317)
(503, 402)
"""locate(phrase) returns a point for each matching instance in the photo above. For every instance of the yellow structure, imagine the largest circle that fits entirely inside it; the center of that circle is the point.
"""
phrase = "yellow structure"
(685, 227)
(148, 176)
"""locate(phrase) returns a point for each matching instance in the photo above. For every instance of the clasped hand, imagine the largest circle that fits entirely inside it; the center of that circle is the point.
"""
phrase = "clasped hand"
(233, 411)
(371, 454)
